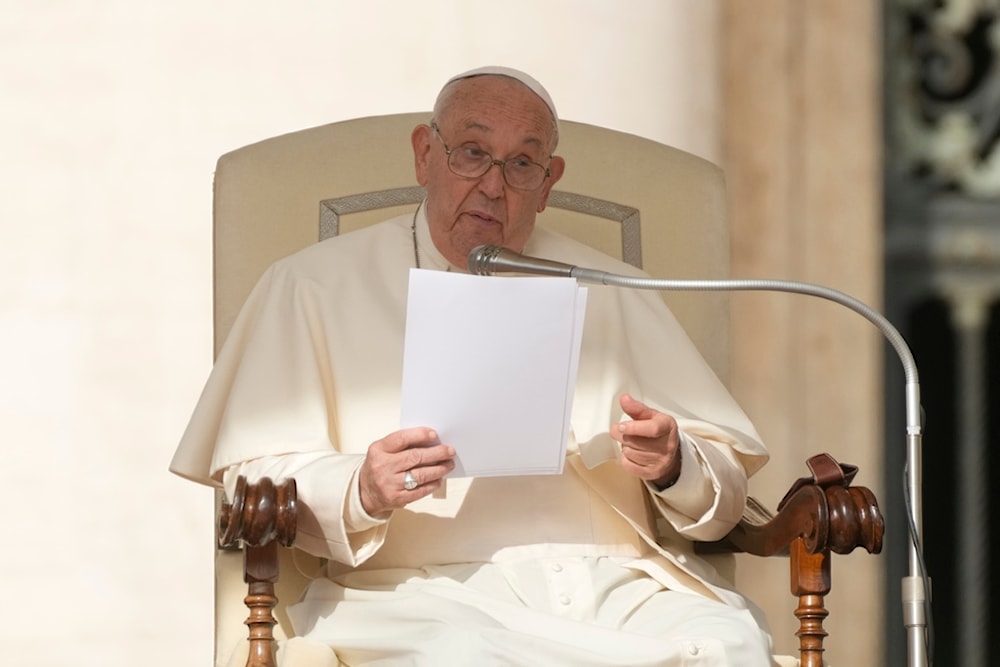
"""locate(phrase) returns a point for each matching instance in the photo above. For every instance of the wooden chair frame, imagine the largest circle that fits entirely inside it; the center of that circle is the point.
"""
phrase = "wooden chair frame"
(821, 515)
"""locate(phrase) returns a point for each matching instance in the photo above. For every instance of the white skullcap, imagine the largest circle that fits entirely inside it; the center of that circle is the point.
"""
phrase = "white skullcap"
(517, 75)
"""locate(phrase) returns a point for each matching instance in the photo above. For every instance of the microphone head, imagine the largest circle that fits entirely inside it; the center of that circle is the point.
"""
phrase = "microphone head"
(481, 259)
(489, 260)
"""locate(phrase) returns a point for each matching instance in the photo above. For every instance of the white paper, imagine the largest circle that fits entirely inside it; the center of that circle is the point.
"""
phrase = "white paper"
(490, 363)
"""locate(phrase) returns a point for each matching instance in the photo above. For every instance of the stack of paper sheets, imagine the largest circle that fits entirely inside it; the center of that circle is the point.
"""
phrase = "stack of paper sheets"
(490, 363)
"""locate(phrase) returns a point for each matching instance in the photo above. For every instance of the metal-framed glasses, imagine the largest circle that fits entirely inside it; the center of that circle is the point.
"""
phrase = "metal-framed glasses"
(470, 161)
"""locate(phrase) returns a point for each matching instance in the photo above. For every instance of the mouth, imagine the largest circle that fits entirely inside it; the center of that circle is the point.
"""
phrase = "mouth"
(482, 217)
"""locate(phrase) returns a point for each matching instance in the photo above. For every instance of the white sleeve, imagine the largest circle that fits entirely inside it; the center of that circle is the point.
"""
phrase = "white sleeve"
(331, 523)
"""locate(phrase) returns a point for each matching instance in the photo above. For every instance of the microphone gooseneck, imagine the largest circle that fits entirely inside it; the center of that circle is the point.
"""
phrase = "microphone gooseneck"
(488, 260)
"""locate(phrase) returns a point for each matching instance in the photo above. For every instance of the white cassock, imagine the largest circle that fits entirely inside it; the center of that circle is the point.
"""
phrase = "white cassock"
(554, 569)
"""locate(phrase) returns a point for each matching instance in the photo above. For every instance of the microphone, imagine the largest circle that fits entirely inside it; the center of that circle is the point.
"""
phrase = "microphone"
(487, 260)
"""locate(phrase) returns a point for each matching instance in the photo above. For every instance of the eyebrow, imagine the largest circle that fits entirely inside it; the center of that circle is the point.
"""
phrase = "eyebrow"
(473, 125)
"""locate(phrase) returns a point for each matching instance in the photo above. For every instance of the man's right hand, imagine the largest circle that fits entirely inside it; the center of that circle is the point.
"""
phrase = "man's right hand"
(383, 472)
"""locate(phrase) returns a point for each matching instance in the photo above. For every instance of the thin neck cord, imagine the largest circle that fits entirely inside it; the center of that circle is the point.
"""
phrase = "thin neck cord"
(413, 233)
(416, 247)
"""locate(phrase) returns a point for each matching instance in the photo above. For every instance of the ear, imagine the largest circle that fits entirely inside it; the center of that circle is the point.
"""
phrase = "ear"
(556, 168)
(420, 139)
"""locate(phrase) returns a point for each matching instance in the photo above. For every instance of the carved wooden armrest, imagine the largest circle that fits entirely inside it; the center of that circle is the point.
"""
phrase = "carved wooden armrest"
(259, 517)
(819, 515)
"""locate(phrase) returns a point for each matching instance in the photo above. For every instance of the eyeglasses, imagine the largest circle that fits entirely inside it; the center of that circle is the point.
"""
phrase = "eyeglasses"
(469, 161)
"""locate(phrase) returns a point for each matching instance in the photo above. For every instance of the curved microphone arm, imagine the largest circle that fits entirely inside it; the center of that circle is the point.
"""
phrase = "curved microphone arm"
(873, 316)
(488, 260)
(915, 587)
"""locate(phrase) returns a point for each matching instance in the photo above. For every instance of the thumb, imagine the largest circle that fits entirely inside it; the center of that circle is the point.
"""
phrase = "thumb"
(635, 408)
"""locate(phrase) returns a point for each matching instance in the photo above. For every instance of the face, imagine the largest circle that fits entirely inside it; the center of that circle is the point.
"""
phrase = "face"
(499, 116)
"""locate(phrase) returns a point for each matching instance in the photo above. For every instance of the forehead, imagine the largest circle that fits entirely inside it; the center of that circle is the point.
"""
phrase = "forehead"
(497, 106)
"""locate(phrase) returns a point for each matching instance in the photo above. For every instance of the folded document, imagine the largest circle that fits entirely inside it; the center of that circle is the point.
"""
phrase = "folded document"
(490, 363)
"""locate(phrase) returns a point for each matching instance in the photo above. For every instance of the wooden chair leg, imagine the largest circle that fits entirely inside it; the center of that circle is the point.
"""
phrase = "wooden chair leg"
(260, 572)
(810, 574)
(259, 518)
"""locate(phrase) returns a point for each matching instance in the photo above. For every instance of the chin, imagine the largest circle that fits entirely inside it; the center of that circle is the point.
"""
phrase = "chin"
(478, 240)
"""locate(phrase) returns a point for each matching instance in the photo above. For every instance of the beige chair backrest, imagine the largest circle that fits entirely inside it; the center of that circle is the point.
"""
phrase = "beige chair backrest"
(635, 199)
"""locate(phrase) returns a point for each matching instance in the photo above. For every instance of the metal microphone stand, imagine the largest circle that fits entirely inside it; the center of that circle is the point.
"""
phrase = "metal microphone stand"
(916, 585)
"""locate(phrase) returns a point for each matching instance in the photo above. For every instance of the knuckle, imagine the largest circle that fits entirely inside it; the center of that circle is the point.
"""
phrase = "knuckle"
(414, 456)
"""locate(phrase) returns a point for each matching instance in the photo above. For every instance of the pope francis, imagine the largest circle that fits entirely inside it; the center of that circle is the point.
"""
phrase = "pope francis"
(564, 569)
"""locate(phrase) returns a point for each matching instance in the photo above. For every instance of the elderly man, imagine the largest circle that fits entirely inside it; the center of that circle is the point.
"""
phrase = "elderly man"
(522, 570)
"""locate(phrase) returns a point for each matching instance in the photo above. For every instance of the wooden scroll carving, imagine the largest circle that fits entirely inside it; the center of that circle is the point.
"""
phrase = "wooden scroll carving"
(260, 517)
(820, 515)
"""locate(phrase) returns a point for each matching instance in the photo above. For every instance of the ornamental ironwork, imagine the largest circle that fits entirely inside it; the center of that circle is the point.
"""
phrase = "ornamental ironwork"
(944, 92)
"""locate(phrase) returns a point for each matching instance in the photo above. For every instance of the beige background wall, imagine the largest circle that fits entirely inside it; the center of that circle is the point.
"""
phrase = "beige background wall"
(801, 153)
(112, 116)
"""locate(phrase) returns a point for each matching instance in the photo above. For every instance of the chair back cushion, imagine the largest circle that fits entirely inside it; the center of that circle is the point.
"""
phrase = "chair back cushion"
(275, 197)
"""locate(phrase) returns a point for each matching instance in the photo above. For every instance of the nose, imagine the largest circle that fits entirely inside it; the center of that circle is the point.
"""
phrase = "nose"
(492, 182)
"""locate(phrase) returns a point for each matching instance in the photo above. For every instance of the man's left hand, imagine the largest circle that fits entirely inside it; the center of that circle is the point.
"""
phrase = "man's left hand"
(650, 443)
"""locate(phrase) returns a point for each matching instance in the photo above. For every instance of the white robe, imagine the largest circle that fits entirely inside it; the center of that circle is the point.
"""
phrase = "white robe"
(310, 376)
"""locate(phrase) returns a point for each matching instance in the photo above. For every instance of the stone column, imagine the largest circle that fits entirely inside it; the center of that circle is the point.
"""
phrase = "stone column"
(801, 151)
